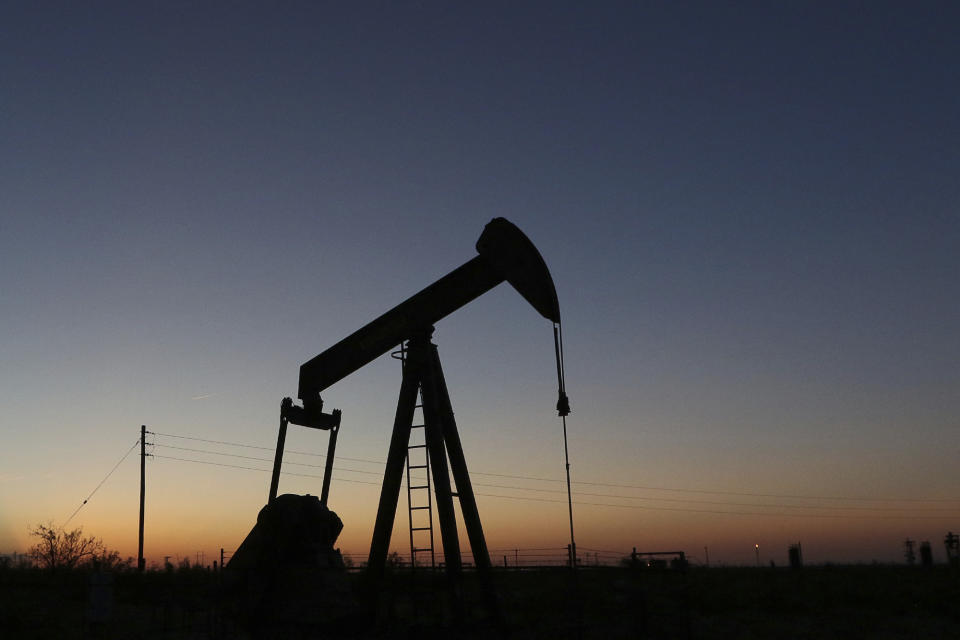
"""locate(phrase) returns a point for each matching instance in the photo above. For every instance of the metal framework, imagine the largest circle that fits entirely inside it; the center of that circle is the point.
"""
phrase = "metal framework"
(422, 373)
(505, 254)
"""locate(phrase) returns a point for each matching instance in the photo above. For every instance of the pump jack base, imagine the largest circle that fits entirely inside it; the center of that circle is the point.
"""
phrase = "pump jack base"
(288, 574)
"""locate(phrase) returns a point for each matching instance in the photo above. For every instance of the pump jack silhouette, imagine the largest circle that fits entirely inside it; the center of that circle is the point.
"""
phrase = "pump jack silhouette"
(505, 254)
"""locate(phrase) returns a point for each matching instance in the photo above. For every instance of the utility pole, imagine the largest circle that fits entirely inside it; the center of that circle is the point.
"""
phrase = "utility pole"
(908, 552)
(141, 563)
(952, 544)
(706, 552)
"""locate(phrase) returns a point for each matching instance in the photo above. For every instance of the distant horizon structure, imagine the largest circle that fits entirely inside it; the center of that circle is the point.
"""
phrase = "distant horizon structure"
(795, 554)
(951, 543)
(908, 552)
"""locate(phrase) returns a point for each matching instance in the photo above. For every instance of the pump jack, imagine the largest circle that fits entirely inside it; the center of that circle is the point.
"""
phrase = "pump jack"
(505, 254)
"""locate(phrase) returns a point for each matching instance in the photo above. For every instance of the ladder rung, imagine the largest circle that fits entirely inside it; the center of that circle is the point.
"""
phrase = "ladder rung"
(417, 466)
(416, 446)
(455, 494)
(417, 426)
(420, 529)
(419, 549)
(421, 486)
(418, 508)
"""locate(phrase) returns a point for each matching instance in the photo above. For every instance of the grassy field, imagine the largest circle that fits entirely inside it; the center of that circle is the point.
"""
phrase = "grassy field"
(814, 602)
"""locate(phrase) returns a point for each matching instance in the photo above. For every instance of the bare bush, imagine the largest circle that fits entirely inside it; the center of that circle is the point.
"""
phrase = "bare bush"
(58, 549)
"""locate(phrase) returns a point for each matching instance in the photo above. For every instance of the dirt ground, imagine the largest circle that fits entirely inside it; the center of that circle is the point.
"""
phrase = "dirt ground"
(883, 602)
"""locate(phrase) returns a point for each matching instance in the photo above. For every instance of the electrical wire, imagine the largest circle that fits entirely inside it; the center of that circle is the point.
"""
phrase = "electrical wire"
(595, 504)
(581, 493)
(236, 455)
(595, 483)
(766, 495)
(285, 473)
(712, 511)
(286, 451)
(110, 473)
(752, 504)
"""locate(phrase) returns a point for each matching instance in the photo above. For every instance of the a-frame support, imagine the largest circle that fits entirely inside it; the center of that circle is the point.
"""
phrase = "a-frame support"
(422, 371)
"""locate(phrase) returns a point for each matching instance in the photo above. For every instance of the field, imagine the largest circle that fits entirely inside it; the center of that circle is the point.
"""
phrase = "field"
(813, 602)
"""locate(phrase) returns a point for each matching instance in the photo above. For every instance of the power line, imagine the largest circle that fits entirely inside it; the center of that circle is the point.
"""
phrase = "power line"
(110, 473)
(299, 464)
(237, 466)
(712, 511)
(768, 495)
(581, 493)
(286, 451)
(590, 483)
(595, 504)
(232, 444)
(754, 504)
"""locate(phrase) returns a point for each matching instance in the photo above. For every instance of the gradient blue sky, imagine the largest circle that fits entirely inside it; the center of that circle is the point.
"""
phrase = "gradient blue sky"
(750, 211)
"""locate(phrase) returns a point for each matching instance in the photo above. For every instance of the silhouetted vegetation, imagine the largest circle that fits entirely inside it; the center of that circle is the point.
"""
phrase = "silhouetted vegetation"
(607, 602)
(58, 550)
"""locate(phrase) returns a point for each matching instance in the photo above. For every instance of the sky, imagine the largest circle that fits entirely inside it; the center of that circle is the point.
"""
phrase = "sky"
(750, 211)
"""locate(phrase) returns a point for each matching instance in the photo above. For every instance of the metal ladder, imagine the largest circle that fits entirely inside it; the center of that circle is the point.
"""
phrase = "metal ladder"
(418, 461)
